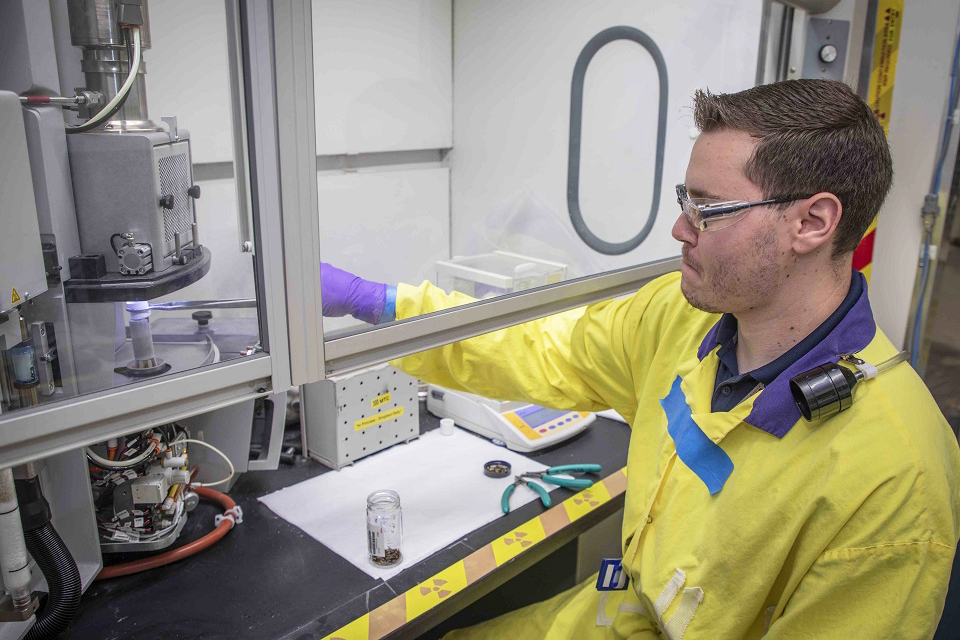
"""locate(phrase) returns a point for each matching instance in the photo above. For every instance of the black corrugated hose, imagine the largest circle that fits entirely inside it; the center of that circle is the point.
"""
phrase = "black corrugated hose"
(63, 579)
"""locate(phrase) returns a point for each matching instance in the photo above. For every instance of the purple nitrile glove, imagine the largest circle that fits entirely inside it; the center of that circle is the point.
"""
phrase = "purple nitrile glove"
(344, 293)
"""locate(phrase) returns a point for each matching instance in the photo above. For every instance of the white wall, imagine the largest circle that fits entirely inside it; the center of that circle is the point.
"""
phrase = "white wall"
(919, 101)
(513, 63)
(187, 74)
(382, 71)
(382, 74)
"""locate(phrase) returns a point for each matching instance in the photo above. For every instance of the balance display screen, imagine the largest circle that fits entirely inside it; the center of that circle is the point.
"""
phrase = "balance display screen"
(536, 416)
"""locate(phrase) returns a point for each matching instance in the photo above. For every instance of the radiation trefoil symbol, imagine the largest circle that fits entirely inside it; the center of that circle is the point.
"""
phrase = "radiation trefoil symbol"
(586, 497)
(519, 537)
(437, 584)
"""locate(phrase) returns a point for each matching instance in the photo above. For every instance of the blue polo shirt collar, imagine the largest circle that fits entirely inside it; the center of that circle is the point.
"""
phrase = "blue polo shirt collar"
(774, 410)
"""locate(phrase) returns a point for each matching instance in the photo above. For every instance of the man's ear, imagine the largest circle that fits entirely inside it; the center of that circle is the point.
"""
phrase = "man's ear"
(816, 222)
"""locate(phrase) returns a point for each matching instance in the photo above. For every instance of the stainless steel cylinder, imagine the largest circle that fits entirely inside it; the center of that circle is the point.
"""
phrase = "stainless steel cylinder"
(142, 339)
(105, 71)
(93, 24)
(105, 64)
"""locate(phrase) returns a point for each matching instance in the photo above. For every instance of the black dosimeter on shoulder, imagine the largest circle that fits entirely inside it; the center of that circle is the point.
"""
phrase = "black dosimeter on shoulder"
(828, 389)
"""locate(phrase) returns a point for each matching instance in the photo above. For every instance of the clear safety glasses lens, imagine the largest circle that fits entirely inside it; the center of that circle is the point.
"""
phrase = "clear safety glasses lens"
(697, 211)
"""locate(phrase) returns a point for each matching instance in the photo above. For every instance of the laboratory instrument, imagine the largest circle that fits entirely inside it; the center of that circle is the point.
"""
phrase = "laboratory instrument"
(232, 516)
(348, 417)
(100, 220)
(109, 224)
(493, 274)
(141, 489)
(828, 389)
(518, 425)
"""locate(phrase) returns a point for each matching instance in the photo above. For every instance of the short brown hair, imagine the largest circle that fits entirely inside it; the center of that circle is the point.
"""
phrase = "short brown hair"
(814, 135)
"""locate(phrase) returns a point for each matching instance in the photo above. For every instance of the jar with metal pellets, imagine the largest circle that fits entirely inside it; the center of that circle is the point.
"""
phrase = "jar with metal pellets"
(384, 528)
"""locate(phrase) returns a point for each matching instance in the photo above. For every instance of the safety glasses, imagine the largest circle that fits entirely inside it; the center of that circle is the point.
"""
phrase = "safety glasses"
(708, 214)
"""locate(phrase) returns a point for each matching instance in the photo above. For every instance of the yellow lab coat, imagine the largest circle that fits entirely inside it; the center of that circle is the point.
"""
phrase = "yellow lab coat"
(742, 524)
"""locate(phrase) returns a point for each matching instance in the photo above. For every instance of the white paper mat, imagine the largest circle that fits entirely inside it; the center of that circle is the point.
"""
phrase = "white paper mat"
(443, 493)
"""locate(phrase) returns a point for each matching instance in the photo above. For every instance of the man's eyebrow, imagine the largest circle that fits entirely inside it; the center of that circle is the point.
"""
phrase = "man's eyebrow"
(693, 192)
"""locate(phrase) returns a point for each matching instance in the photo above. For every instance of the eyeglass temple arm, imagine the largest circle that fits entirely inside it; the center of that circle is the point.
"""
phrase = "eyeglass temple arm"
(730, 208)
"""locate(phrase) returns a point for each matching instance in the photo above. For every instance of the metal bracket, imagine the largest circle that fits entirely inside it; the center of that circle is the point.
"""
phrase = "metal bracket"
(41, 346)
(8, 613)
(852, 359)
(825, 53)
(172, 130)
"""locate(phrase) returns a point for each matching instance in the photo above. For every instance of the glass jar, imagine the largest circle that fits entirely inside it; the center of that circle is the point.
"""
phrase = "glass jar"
(384, 528)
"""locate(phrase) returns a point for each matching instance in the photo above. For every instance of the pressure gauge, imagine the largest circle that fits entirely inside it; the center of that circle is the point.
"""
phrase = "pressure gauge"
(828, 53)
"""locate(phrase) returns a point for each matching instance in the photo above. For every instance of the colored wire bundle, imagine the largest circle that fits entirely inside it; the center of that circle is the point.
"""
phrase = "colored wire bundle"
(186, 550)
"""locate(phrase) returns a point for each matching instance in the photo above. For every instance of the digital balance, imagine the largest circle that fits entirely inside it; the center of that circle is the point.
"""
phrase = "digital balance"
(521, 426)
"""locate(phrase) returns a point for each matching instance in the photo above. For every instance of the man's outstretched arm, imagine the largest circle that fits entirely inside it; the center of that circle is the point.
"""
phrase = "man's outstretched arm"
(576, 359)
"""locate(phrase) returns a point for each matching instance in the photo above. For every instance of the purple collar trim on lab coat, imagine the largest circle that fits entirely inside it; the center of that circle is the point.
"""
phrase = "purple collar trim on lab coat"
(774, 410)
(710, 341)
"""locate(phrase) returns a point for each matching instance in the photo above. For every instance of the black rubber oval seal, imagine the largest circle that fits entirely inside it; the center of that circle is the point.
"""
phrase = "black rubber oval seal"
(596, 43)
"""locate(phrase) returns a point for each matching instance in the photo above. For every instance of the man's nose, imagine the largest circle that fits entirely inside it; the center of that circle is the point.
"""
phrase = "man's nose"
(683, 231)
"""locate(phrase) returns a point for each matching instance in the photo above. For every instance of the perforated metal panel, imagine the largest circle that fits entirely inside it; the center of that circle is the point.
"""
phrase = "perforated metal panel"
(118, 181)
(349, 417)
(175, 180)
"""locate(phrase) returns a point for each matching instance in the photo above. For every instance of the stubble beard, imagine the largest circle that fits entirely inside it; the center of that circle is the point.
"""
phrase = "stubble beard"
(697, 302)
(741, 285)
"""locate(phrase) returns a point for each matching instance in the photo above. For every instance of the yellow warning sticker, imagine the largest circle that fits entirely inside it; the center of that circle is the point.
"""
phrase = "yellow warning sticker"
(435, 590)
(379, 401)
(14, 297)
(517, 541)
(359, 629)
(383, 416)
(884, 68)
(586, 501)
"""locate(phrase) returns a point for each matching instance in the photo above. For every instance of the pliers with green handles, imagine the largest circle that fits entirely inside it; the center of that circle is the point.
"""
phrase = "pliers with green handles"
(570, 483)
(505, 500)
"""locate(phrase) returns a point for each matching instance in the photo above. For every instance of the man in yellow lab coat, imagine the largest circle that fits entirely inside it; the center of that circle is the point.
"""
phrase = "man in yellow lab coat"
(742, 519)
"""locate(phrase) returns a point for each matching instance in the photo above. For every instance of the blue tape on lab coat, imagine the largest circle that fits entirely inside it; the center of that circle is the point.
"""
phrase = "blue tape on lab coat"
(701, 454)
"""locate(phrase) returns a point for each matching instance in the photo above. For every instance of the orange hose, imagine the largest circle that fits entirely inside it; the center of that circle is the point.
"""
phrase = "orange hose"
(179, 553)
